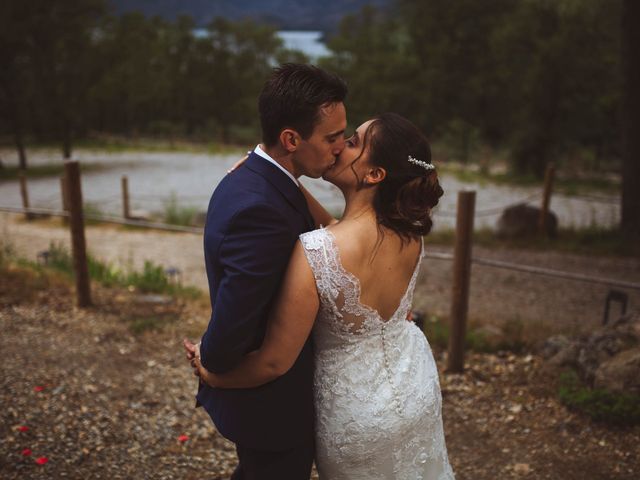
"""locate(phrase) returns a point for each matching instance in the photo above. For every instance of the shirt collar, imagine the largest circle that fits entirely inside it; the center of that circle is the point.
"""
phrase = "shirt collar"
(260, 152)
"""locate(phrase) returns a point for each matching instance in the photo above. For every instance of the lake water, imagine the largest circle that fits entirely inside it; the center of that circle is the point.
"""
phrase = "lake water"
(308, 42)
(154, 177)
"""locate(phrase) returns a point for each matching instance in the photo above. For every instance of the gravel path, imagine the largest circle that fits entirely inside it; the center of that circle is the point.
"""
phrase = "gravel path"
(101, 402)
(539, 305)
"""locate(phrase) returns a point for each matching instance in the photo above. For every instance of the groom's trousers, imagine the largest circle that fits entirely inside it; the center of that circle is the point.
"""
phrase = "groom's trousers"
(294, 464)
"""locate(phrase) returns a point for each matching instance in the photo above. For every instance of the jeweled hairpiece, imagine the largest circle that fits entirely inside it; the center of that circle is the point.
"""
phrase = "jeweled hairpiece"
(420, 163)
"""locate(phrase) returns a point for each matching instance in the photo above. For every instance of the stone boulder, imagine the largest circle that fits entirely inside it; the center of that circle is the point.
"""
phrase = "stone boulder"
(621, 373)
(521, 220)
(608, 356)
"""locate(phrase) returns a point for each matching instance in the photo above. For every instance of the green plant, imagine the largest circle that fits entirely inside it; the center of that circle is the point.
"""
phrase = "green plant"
(600, 405)
(436, 331)
(152, 279)
(59, 258)
(174, 214)
(591, 240)
(91, 210)
(107, 275)
(7, 252)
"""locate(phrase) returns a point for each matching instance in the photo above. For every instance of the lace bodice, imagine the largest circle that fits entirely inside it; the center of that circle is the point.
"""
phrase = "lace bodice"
(377, 395)
(339, 290)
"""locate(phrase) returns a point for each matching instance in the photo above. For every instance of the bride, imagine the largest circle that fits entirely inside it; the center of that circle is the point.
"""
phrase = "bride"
(377, 394)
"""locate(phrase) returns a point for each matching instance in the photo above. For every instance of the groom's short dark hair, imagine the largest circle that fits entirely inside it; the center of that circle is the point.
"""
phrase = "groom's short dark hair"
(292, 98)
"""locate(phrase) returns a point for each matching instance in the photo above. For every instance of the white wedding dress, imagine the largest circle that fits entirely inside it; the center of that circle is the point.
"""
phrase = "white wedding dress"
(377, 394)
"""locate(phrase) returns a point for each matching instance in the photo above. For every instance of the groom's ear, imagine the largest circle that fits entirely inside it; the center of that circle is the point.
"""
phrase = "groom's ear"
(289, 139)
(375, 175)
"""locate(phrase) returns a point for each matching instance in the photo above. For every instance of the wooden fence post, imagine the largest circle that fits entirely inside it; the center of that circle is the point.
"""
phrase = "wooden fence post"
(546, 198)
(65, 198)
(125, 197)
(461, 280)
(76, 221)
(24, 193)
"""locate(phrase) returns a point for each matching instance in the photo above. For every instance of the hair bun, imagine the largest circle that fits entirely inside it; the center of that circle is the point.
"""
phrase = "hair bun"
(411, 211)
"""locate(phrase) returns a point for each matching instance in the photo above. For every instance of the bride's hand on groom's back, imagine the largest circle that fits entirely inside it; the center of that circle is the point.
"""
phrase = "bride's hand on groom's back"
(239, 162)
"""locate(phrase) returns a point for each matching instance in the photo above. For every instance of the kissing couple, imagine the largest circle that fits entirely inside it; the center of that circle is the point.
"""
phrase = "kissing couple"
(309, 353)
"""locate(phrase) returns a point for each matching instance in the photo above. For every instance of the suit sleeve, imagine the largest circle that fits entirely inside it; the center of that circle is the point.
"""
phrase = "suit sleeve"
(253, 255)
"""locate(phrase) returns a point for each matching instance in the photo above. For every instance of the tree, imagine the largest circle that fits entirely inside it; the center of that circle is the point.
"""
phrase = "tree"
(631, 118)
(15, 67)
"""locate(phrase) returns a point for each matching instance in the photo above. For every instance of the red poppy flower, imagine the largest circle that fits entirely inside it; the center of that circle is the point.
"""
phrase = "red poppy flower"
(38, 388)
(23, 428)
(41, 460)
(26, 452)
(183, 438)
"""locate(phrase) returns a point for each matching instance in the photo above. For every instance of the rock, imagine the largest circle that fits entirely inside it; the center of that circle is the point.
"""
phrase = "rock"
(553, 345)
(521, 220)
(620, 373)
(522, 468)
(587, 354)
(566, 356)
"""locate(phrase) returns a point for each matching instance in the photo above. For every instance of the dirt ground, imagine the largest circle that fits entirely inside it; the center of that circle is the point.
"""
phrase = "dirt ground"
(103, 394)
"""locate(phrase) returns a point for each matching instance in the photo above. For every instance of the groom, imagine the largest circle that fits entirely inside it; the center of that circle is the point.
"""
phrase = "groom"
(254, 219)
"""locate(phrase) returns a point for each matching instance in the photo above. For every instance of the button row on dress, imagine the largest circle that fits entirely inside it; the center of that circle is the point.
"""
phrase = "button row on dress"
(396, 396)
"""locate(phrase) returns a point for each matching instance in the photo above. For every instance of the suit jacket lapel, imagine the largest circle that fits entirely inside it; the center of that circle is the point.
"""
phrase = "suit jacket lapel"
(282, 182)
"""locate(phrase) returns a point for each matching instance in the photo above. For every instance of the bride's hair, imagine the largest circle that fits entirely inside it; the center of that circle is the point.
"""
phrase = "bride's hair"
(404, 199)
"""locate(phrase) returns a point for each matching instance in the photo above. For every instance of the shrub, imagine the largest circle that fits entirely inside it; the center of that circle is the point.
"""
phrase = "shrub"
(600, 405)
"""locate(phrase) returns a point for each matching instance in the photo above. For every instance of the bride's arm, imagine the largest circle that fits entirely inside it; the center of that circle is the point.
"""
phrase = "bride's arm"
(290, 323)
(320, 215)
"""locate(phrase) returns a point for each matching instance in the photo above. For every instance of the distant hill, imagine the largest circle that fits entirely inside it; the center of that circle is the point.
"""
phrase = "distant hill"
(285, 14)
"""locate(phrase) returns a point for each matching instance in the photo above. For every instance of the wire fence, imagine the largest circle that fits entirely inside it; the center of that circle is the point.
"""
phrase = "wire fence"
(489, 211)
(434, 255)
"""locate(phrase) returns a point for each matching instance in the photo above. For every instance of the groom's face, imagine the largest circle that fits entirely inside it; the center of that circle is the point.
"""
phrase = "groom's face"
(318, 152)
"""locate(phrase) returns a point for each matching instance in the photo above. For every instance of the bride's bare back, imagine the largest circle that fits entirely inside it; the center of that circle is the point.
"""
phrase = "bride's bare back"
(380, 263)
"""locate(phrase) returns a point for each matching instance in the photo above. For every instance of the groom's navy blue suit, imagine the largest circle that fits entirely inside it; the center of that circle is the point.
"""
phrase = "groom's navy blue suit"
(254, 219)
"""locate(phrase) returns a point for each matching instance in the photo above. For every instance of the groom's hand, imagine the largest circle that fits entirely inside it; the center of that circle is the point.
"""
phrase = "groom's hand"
(193, 355)
(191, 348)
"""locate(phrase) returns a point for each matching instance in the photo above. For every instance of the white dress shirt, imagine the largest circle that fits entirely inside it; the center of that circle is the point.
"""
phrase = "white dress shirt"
(260, 152)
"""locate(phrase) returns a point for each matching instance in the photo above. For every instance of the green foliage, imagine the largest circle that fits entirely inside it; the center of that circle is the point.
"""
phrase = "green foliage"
(152, 278)
(601, 405)
(7, 252)
(174, 214)
(68, 69)
(587, 241)
(45, 170)
(540, 77)
(59, 258)
(437, 332)
(537, 78)
(91, 211)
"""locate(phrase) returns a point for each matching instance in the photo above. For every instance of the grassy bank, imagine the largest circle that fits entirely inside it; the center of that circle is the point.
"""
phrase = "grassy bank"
(47, 170)
(117, 144)
(563, 182)
(587, 241)
(152, 279)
